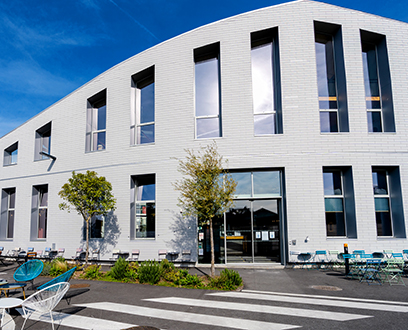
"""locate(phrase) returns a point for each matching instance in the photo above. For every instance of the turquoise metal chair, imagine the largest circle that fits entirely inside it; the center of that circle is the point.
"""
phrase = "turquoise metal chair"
(59, 279)
(28, 271)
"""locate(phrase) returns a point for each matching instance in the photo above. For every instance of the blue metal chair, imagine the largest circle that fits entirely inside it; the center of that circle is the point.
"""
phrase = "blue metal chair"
(28, 271)
(62, 278)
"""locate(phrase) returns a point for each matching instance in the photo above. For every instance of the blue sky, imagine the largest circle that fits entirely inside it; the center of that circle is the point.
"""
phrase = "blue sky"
(50, 48)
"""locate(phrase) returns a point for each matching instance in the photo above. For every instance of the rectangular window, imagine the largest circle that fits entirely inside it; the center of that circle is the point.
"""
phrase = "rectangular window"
(39, 212)
(96, 227)
(143, 206)
(339, 202)
(143, 110)
(331, 78)
(10, 155)
(266, 82)
(8, 204)
(389, 210)
(43, 142)
(207, 91)
(96, 122)
(377, 83)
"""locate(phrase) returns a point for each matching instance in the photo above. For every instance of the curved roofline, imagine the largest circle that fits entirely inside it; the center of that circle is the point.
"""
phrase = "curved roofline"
(191, 31)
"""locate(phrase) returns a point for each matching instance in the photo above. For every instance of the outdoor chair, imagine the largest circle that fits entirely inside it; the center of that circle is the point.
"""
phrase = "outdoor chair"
(95, 255)
(358, 253)
(28, 271)
(115, 255)
(293, 258)
(78, 253)
(371, 272)
(398, 256)
(388, 253)
(39, 254)
(320, 258)
(393, 271)
(334, 261)
(134, 255)
(44, 301)
(186, 255)
(47, 253)
(306, 259)
(405, 254)
(65, 277)
(162, 254)
(60, 253)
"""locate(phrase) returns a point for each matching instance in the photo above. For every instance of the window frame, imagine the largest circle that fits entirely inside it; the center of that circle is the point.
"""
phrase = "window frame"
(386, 110)
(383, 196)
(6, 210)
(261, 39)
(8, 155)
(40, 135)
(334, 31)
(95, 103)
(202, 55)
(141, 80)
(137, 181)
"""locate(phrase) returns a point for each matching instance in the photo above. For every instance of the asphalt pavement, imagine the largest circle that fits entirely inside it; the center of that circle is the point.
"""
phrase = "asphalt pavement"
(272, 298)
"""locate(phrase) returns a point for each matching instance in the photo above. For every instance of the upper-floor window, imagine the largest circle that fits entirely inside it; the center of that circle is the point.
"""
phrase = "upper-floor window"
(266, 82)
(389, 210)
(96, 122)
(8, 204)
(39, 212)
(143, 110)
(43, 142)
(339, 202)
(10, 155)
(331, 78)
(207, 91)
(143, 206)
(377, 83)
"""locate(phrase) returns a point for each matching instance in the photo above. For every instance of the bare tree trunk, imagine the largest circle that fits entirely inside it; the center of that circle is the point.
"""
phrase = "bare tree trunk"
(212, 248)
(87, 243)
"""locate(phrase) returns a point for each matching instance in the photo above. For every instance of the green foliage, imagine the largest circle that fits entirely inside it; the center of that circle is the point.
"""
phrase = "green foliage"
(58, 267)
(90, 195)
(185, 279)
(150, 272)
(166, 266)
(229, 280)
(92, 272)
(46, 269)
(120, 270)
(208, 190)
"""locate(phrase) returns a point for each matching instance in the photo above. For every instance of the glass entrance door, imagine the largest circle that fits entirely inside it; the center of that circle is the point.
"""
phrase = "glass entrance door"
(239, 233)
(252, 231)
(266, 230)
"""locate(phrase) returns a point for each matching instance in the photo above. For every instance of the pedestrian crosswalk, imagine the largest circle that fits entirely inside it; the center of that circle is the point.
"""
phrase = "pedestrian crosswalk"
(228, 310)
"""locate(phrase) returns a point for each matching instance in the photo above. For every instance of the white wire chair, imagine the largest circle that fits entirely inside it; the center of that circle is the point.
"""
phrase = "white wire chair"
(44, 301)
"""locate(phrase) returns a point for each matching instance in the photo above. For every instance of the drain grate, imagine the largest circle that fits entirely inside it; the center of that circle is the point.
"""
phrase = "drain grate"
(326, 287)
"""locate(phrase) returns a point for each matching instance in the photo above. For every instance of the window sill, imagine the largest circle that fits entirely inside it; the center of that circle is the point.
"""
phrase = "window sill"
(334, 133)
(143, 238)
(7, 165)
(93, 151)
(143, 144)
(382, 133)
(339, 237)
(209, 138)
(389, 237)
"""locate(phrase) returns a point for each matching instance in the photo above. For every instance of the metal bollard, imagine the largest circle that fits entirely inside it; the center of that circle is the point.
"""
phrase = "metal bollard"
(346, 260)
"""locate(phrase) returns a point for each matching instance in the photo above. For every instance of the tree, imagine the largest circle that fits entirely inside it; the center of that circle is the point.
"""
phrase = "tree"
(90, 195)
(207, 190)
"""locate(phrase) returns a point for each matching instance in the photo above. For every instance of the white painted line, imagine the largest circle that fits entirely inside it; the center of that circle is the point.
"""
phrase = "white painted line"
(329, 297)
(221, 321)
(315, 314)
(77, 321)
(320, 302)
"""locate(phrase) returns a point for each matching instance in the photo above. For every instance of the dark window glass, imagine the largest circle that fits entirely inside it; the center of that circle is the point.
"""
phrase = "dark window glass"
(374, 121)
(328, 122)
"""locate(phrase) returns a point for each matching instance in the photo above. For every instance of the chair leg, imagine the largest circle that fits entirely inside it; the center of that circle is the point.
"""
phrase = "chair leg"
(52, 320)
(26, 316)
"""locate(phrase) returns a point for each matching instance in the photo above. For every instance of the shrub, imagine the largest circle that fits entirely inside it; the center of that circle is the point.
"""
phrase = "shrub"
(228, 280)
(92, 272)
(167, 266)
(149, 272)
(185, 279)
(119, 270)
(46, 269)
(58, 267)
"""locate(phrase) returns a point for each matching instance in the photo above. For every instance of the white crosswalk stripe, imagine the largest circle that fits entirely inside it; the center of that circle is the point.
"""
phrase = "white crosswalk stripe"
(299, 312)
(314, 301)
(79, 322)
(168, 308)
(194, 318)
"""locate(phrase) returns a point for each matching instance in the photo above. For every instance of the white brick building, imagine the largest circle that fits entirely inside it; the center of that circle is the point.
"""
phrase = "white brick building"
(306, 101)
